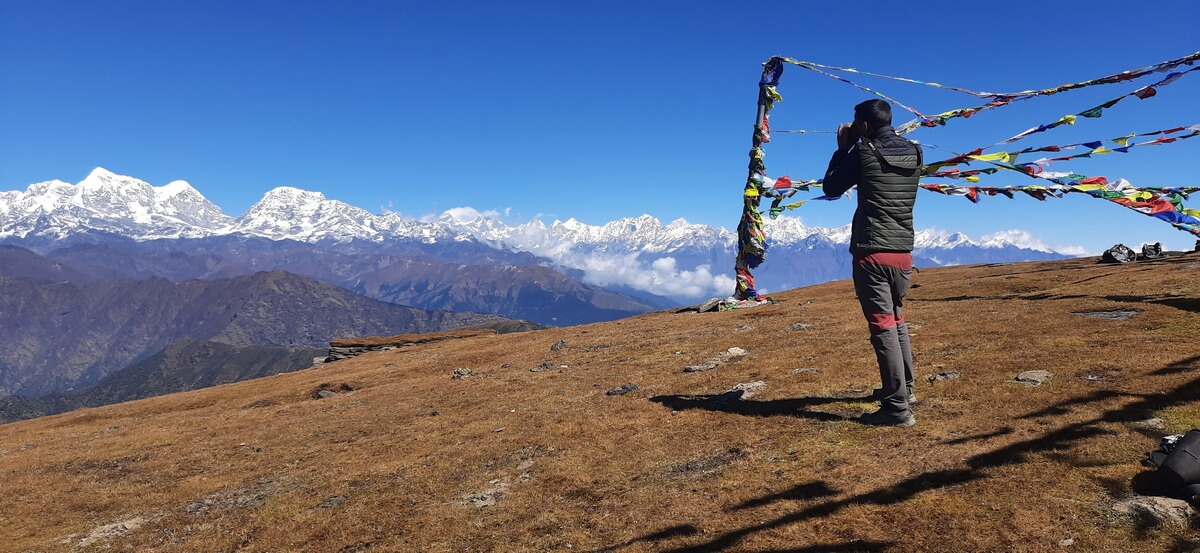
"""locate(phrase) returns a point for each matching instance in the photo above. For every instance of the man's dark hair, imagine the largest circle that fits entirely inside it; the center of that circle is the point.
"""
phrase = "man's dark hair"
(876, 113)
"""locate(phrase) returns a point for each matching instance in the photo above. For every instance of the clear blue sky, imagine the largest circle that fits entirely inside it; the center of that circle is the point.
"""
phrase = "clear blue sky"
(593, 110)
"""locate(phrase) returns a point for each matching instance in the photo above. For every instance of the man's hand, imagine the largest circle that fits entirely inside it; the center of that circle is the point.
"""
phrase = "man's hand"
(845, 136)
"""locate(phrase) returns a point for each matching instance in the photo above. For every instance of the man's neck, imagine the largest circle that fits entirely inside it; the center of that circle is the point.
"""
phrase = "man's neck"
(880, 132)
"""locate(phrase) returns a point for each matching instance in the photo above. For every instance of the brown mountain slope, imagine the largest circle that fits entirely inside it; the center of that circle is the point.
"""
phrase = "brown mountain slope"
(517, 460)
(56, 336)
(184, 365)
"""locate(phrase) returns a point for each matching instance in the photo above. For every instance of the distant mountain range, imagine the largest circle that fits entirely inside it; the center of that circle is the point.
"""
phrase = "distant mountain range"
(58, 336)
(647, 262)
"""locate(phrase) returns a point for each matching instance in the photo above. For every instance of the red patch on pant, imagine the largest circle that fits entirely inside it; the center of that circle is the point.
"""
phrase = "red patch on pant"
(897, 260)
(881, 321)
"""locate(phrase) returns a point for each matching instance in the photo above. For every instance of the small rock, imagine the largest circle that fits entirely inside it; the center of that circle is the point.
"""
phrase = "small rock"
(622, 389)
(806, 371)
(113, 530)
(749, 389)
(1153, 423)
(541, 367)
(801, 326)
(710, 305)
(504, 365)
(706, 366)
(1034, 378)
(733, 353)
(332, 502)
(461, 373)
(1066, 542)
(558, 345)
(1156, 510)
(1114, 315)
(326, 394)
(742, 328)
(943, 376)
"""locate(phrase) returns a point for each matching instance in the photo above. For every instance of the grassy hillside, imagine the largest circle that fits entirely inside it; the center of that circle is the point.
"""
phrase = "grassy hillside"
(407, 458)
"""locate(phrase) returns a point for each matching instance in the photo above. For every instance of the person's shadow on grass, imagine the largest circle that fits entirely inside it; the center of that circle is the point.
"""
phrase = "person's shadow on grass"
(732, 402)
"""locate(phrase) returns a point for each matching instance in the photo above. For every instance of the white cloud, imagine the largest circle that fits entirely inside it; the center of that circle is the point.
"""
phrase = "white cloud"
(1017, 237)
(1026, 239)
(467, 214)
(661, 276)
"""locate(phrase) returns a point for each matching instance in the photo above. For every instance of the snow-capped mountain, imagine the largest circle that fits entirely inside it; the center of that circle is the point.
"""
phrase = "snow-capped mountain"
(111, 203)
(679, 259)
(291, 213)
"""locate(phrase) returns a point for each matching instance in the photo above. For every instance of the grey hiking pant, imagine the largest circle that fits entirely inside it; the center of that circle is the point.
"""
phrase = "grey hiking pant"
(881, 281)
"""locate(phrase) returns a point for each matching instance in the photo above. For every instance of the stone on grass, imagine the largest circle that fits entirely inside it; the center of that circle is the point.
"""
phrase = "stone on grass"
(1034, 378)
(710, 305)
(622, 389)
(1114, 315)
(332, 502)
(706, 366)
(942, 376)
(806, 370)
(558, 345)
(1153, 423)
(730, 354)
(114, 530)
(326, 394)
(800, 326)
(748, 390)
(742, 328)
(733, 353)
(461, 373)
(1156, 510)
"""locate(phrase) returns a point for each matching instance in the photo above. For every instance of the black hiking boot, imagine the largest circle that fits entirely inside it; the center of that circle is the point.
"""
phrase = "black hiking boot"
(902, 419)
(877, 395)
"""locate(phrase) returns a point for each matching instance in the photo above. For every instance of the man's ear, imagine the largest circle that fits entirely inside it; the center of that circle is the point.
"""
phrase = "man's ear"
(863, 129)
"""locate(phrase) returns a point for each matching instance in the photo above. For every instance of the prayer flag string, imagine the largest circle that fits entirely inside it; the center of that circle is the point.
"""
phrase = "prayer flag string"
(1163, 203)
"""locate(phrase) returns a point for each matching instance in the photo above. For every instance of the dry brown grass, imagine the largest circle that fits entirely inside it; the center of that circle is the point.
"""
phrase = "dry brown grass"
(401, 340)
(991, 465)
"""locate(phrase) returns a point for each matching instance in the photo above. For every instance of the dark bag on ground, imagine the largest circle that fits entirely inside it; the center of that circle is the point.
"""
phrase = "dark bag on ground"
(1179, 471)
(1151, 251)
(1119, 253)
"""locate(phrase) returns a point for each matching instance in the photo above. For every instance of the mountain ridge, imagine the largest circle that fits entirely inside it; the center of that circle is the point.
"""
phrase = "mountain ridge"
(681, 260)
(65, 335)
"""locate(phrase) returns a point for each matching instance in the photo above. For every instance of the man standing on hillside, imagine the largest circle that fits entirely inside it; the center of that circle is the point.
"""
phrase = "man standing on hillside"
(886, 168)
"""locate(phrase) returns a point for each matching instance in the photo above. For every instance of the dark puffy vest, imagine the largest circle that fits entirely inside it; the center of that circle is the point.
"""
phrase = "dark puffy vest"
(887, 190)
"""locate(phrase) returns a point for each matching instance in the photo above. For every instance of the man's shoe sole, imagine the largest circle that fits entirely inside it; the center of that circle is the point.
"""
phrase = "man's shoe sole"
(867, 419)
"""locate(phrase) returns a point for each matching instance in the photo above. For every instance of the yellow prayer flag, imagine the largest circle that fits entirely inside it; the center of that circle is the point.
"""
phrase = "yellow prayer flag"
(1068, 119)
(972, 179)
(1102, 150)
(1124, 140)
(998, 156)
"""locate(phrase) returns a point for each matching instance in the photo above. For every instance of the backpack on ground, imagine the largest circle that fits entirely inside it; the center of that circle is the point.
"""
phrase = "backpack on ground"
(1152, 251)
(1178, 464)
(1119, 253)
